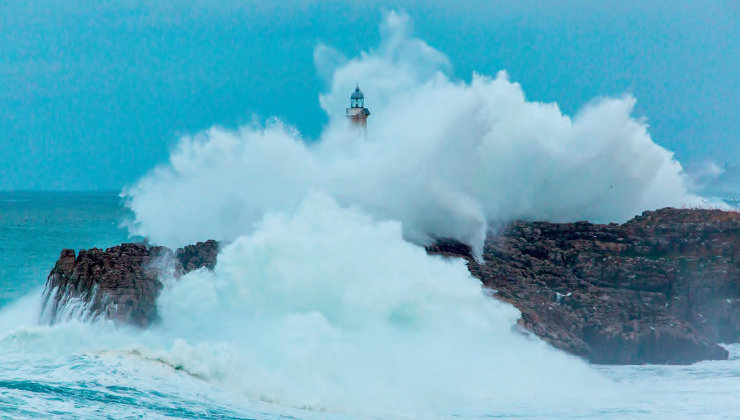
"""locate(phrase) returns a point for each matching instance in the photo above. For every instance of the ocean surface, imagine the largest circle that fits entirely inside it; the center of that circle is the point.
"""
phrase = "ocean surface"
(96, 370)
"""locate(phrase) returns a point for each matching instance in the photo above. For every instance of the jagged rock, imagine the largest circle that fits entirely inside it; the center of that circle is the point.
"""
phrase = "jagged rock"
(121, 283)
(661, 288)
(451, 248)
(202, 254)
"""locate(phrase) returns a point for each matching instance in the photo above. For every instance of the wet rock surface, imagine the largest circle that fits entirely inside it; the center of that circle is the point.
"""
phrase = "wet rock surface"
(661, 288)
(202, 254)
(120, 283)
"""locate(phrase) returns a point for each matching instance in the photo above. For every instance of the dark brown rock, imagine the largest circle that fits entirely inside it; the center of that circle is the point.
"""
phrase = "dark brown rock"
(121, 283)
(661, 288)
(202, 254)
(451, 248)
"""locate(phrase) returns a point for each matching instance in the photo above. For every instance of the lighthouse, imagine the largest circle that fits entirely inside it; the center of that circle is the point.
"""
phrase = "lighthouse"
(357, 113)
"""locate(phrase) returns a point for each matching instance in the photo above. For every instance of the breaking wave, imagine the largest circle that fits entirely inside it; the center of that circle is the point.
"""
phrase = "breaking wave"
(327, 309)
(323, 299)
(444, 157)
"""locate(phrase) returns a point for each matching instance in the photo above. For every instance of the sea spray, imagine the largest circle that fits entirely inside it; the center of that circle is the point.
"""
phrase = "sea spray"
(320, 298)
(75, 369)
(328, 309)
(445, 157)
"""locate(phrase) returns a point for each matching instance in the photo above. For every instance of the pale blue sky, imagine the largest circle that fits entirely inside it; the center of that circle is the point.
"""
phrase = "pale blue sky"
(94, 93)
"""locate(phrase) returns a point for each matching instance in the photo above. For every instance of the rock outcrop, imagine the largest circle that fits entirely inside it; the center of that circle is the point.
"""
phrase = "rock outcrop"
(121, 283)
(661, 288)
(202, 254)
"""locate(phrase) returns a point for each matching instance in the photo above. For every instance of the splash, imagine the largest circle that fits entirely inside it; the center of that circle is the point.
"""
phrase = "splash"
(442, 156)
(321, 300)
(327, 309)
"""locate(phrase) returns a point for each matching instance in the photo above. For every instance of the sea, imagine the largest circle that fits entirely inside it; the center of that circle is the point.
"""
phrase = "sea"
(85, 368)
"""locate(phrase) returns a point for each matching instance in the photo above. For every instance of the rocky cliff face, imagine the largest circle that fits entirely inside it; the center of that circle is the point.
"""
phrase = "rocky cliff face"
(661, 288)
(121, 283)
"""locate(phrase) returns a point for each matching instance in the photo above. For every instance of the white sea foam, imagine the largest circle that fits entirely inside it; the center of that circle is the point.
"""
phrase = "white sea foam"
(74, 369)
(442, 156)
(328, 309)
(319, 300)
(323, 308)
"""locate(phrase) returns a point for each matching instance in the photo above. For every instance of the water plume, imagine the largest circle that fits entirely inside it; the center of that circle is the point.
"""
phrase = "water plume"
(320, 300)
(328, 309)
(442, 156)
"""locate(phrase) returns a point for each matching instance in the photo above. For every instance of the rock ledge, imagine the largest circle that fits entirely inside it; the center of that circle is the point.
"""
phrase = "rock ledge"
(662, 288)
(121, 283)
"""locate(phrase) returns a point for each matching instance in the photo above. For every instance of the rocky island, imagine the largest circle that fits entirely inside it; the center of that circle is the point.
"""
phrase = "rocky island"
(121, 283)
(663, 287)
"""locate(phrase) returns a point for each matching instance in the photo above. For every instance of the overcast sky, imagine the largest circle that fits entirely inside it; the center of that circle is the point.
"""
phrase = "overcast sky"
(94, 93)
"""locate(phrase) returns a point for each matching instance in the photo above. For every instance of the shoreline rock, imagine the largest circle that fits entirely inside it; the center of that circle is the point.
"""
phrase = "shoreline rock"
(121, 283)
(661, 288)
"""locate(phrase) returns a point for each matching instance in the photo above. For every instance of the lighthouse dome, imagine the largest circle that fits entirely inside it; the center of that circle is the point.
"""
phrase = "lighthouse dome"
(357, 94)
(357, 100)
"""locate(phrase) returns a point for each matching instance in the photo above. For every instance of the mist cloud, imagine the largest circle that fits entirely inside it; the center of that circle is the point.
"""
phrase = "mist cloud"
(442, 156)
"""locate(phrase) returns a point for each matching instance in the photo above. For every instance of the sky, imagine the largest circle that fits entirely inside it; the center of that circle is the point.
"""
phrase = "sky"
(93, 94)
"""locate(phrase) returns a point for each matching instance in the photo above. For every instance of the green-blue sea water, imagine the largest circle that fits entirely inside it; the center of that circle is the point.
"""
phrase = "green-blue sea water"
(39, 376)
(36, 226)
(97, 370)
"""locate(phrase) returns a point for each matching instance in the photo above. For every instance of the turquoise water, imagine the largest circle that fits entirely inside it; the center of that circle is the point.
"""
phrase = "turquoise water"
(36, 226)
(61, 371)
(96, 370)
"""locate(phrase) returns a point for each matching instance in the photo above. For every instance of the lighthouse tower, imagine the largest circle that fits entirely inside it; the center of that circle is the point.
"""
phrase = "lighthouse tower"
(357, 113)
